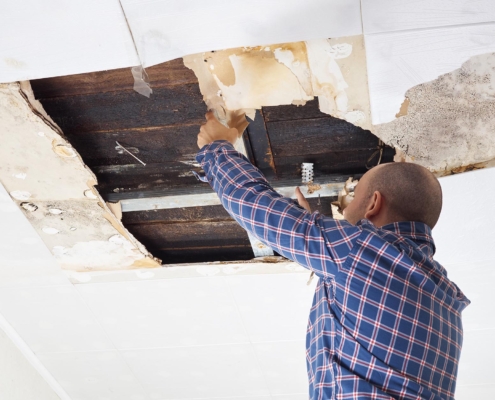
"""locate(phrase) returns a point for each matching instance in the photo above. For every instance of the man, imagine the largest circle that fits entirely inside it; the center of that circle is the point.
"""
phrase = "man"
(385, 321)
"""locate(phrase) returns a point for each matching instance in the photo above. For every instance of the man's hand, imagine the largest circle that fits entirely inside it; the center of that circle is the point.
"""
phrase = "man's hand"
(302, 200)
(213, 130)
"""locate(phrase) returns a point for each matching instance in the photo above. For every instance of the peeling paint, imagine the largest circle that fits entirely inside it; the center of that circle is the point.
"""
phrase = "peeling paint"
(20, 194)
(90, 195)
(346, 195)
(244, 79)
(29, 206)
(63, 150)
(97, 255)
(50, 231)
(20, 175)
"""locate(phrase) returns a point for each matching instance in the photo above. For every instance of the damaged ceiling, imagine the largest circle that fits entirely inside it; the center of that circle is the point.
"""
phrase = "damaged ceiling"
(49, 181)
(448, 124)
(97, 110)
(125, 161)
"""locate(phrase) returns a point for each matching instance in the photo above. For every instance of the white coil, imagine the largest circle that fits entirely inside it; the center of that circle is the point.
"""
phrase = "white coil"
(307, 172)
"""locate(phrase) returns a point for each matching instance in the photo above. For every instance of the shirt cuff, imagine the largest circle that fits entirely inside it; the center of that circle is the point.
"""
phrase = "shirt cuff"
(210, 148)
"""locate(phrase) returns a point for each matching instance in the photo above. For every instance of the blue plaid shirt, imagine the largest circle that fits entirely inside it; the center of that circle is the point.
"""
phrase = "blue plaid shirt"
(385, 321)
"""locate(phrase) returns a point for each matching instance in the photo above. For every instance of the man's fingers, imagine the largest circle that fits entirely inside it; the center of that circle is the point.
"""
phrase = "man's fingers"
(302, 200)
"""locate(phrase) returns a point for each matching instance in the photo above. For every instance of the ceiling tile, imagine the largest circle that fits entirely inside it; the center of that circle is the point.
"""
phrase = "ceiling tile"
(166, 313)
(99, 375)
(52, 319)
(397, 15)
(476, 281)
(164, 30)
(464, 232)
(283, 365)
(274, 307)
(63, 38)
(299, 396)
(198, 372)
(24, 258)
(477, 358)
(397, 61)
(469, 392)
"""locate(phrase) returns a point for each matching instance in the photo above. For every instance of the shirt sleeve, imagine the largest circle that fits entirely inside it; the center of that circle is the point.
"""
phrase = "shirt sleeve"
(314, 241)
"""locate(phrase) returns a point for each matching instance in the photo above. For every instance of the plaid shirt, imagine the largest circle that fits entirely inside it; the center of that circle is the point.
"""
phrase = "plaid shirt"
(385, 321)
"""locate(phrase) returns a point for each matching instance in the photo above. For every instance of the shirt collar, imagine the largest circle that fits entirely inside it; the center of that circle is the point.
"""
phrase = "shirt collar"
(418, 232)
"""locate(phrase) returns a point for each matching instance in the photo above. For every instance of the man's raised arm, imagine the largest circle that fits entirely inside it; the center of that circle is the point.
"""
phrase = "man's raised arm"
(312, 240)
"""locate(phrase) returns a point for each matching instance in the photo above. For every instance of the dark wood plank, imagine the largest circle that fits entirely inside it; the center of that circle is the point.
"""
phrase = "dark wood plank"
(111, 111)
(342, 162)
(177, 215)
(151, 145)
(205, 214)
(192, 234)
(136, 179)
(317, 136)
(202, 255)
(166, 74)
(260, 146)
(290, 112)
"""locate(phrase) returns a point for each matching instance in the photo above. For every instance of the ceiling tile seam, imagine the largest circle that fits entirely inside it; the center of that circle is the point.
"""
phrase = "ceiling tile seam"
(432, 28)
(244, 343)
(132, 35)
(32, 358)
(213, 264)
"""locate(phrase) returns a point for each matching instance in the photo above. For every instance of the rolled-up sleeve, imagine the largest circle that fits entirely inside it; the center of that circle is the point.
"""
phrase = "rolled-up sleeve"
(314, 241)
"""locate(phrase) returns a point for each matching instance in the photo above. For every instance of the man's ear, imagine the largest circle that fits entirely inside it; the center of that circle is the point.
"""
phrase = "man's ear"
(374, 206)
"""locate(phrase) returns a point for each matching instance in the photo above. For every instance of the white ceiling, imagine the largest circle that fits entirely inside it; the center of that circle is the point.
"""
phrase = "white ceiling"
(224, 331)
(407, 43)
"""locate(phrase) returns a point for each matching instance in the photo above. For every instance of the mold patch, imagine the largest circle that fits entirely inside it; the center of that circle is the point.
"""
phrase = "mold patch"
(447, 124)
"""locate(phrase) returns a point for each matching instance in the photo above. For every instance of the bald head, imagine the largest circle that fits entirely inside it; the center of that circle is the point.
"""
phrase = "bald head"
(409, 192)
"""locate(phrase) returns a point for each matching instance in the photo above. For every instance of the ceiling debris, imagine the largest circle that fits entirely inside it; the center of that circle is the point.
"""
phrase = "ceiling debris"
(56, 191)
(345, 196)
(450, 121)
(248, 78)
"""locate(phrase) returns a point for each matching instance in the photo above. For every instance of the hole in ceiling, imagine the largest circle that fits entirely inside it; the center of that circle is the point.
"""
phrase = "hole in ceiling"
(96, 110)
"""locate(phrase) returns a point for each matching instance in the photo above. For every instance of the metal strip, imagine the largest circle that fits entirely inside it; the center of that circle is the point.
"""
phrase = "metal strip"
(259, 249)
(211, 199)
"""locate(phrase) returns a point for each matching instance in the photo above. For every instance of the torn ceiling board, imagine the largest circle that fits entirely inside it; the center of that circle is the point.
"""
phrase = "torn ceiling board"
(164, 29)
(53, 38)
(24, 258)
(398, 61)
(449, 123)
(47, 178)
(334, 70)
(399, 15)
